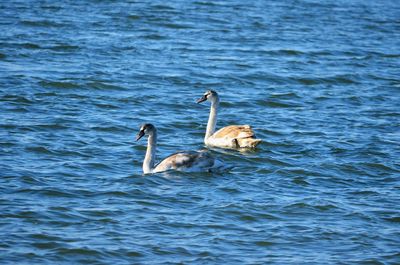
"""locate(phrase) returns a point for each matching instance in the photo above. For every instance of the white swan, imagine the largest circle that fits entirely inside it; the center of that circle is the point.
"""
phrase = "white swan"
(189, 161)
(233, 136)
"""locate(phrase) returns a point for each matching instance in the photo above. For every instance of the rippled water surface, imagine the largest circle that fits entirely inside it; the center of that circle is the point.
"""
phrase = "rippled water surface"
(318, 80)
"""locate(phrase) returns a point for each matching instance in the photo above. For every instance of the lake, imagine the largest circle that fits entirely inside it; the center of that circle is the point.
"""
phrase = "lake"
(319, 82)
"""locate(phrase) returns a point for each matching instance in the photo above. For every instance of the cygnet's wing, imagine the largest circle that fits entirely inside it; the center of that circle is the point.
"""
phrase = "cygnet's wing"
(234, 131)
(186, 161)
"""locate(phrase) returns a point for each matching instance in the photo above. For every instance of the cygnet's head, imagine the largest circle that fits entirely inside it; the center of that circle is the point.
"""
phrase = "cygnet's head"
(210, 95)
(145, 129)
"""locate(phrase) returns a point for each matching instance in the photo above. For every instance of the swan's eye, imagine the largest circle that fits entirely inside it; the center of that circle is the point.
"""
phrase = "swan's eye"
(146, 127)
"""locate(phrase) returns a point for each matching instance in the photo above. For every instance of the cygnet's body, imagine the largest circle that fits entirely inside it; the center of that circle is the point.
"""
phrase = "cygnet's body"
(233, 136)
(188, 161)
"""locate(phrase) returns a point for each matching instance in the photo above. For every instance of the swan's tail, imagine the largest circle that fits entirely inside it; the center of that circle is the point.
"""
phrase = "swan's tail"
(248, 142)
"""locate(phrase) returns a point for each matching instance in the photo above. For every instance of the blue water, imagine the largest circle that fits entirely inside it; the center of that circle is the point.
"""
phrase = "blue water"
(319, 81)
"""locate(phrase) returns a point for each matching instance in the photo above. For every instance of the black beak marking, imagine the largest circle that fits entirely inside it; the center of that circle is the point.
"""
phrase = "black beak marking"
(203, 98)
(139, 135)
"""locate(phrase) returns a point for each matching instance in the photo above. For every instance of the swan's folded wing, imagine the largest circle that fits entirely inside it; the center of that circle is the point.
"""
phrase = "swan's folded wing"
(234, 131)
(187, 160)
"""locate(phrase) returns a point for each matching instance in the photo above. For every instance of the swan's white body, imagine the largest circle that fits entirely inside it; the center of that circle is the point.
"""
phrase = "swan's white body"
(188, 161)
(233, 136)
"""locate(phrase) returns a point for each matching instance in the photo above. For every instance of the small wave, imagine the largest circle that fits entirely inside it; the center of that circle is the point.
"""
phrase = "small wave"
(132, 253)
(78, 251)
(18, 110)
(261, 76)
(59, 84)
(154, 37)
(391, 55)
(46, 94)
(319, 207)
(51, 7)
(364, 193)
(102, 214)
(64, 47)
(31, 180)
(244, 65)
(16, 99)
(129, 100)
(284, 95)
(300, 181)
(114, 194)
(230, 190)
(264, 243)
(56, 152)
(277, 104)
(385, 55)
(341, 79)
(134, 17)
(110, 129)
(44, 236)
(395, 219)
(298, 205)
(270, 132)
(51, 126)
(47, 245)
(47, 192)
(380, 166)
(39, 150)
(103, 86)
(7, 144)
(325, 207)
(106, 106)
(41, 23)
(204, 3)
(176, 26)
(282, 52)
(270, 161)
(291, 52)
(162, 7)
(98, 165)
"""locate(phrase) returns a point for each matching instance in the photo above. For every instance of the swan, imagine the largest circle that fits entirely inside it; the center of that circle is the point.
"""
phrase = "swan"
(189, 161)
(232, 136)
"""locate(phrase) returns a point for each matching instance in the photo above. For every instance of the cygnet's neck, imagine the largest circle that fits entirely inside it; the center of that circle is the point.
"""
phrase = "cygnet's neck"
(212, 119)
(149, 159)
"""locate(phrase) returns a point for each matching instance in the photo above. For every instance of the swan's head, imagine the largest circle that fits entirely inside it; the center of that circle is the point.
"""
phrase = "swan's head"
(210, 95)
(145, 129)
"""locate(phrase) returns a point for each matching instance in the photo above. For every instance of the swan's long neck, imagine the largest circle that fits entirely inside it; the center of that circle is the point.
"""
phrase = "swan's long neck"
(149, 159)
(212, 119)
